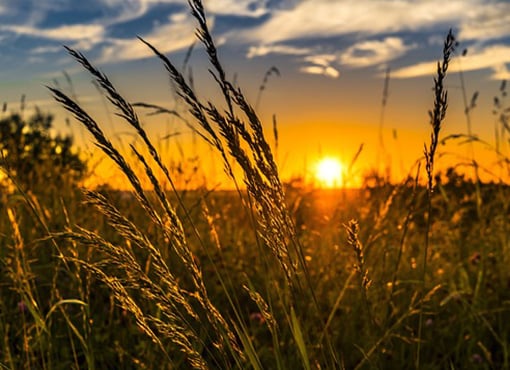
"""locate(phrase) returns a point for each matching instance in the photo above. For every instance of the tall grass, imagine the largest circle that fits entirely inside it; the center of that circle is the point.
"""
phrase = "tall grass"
(259, 279)
(437, 116)
(234, 137)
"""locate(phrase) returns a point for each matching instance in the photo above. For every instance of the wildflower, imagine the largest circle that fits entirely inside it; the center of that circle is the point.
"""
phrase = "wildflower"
(257, 317)
(22, 307)
(476, 358)
(475, 258)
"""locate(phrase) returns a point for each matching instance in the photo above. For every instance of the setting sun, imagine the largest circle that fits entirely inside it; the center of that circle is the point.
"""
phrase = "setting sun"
(328, 172)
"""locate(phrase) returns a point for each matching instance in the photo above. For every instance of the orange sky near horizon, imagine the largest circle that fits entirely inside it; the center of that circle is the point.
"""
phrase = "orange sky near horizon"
(327, 99)
(306, 133)
(306, 137)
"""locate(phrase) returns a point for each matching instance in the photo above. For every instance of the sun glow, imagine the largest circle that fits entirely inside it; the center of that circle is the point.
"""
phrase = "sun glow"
(328, 172)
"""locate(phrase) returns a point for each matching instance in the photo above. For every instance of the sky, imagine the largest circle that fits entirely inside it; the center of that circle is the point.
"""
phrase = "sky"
(333, 57)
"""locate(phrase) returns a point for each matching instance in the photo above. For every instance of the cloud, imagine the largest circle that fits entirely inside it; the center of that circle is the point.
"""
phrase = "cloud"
(60, 33)
(323, 60)
(478, 21)
(247, 8)
(35, 60)
(120, 11)
(501, 72)
(327, 71)
(175, 35)
(179, 33)
(321, 65)
(324, 18)
(494, 57)
(263, 50)
(133, 9)
(30, 14)
(46, 49)
(363, 54)
(486, 22)
(373, 52)
(273, 27)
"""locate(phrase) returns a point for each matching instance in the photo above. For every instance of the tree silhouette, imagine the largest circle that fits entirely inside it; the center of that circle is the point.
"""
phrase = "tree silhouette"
(36, 159)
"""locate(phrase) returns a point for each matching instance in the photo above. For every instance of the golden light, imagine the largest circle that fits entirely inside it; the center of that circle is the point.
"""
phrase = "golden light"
(328, 172)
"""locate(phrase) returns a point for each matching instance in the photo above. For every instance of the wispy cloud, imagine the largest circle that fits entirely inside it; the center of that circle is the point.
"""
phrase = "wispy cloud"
(374, 52)
(324, 18)
(324, 35)
(46, 49)
(60, 33)
(327, 71)
(263, 50)
(477, 21)
(97, 31)
(494, 57)
(501, 72)
(362, 54)
(321, 64)
(247, 8)
(133, 9)
(175, 35)
(486, 22)
(120, 11)
(323, 60)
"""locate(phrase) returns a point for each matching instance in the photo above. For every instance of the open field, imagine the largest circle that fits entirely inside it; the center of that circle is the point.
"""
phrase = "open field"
(271, 275)
(56, 313)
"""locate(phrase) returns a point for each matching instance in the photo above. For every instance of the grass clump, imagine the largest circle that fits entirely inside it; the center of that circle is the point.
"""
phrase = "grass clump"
(256, 278)
(245, 142)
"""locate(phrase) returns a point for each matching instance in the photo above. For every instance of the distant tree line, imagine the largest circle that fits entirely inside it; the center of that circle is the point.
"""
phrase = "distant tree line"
(33, 158)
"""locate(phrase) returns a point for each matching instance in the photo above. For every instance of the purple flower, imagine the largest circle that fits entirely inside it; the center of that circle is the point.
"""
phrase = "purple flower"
(475, 258)
(257, 317)
(22, 307)
(476, 358)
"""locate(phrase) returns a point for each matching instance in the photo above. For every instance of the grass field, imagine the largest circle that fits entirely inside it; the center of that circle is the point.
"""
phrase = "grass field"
(268, 276)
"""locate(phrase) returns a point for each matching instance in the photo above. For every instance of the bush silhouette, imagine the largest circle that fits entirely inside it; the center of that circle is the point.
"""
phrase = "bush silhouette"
(36, 159)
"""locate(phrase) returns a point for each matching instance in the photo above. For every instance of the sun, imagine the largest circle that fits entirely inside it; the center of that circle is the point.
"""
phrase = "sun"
(328, 171)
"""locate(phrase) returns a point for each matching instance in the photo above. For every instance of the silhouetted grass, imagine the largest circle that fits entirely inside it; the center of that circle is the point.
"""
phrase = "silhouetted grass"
(265, 277)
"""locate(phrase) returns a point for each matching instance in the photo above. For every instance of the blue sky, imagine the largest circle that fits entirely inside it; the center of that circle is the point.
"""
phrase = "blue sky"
(320, 36)
(327, 50)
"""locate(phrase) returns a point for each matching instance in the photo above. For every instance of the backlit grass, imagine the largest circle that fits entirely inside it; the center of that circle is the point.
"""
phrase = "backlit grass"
(269, 276)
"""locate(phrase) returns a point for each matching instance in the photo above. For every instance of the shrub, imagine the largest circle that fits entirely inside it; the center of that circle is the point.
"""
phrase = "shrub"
(34, 158)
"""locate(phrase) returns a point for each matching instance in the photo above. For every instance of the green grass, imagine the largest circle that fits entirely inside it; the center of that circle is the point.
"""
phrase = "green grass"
(268, 276)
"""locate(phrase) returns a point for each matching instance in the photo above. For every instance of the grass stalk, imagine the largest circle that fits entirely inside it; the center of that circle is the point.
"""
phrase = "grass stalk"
(437, 116)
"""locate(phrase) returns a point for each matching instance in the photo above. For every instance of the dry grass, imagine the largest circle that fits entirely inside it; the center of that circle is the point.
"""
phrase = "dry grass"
(156, 280)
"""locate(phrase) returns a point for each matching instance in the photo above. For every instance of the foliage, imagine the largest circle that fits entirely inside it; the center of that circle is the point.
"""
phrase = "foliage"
(35, 158)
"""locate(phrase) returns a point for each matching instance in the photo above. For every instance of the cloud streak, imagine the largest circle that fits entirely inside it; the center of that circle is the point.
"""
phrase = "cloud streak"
(60, 33)
(494, 57)
(263, 50)
(323, 18)
(244, 8)
(476, 21)
(374, 52)
(486, 22)
(322, 36)
(327, 71)
(175, 35)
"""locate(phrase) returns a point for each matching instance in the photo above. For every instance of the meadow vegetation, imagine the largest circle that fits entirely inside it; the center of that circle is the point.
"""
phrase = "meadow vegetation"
(269, 276)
